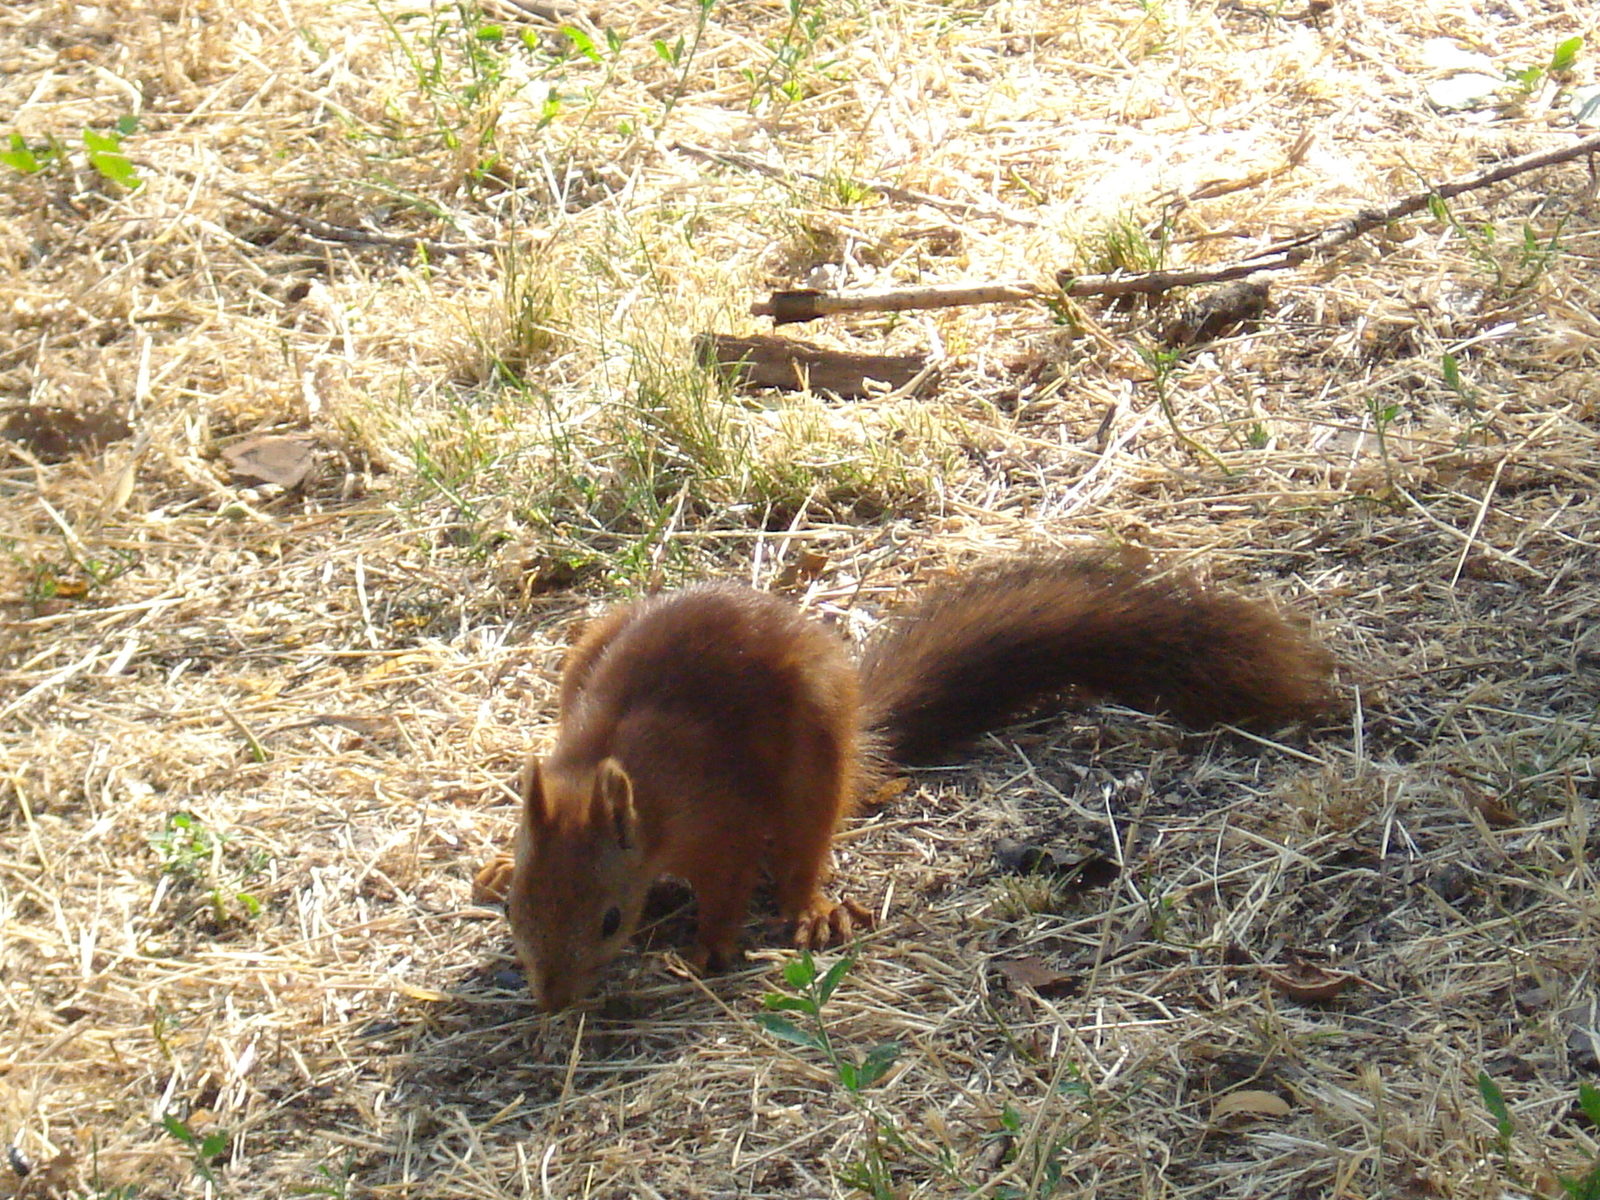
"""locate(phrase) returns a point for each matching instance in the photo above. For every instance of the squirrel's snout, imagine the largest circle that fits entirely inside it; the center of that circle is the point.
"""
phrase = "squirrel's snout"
(551, 991)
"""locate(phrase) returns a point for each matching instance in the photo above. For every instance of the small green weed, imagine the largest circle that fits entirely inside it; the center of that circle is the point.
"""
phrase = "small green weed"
(1038, 1150)
(780, 82)
(1154, 31)
(1123, 245)
(681, 55)
(207, 1149)
(586, 46)
(1585, 1186)
(334, 1183)
(1043, 1165)
(102, 151)
(1563, 58)
(73, 579)
(1382, 416)
(1164, 364)
(522, 328)
(845, 191)
(186, 846)
(1450, 368)
(459, 61)
(1026, 895)
(99, 1189)
(1513, 270)
(192, 854)
(810, 990)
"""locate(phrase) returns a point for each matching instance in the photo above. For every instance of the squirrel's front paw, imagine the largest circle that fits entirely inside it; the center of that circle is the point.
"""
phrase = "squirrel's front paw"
(825, 923)
(493, 883)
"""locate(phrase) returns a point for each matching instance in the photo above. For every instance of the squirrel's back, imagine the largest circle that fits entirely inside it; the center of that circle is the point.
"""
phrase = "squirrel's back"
(715, 665)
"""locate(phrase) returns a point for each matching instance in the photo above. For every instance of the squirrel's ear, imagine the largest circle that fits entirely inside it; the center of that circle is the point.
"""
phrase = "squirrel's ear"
(613, 801)
(530, 785)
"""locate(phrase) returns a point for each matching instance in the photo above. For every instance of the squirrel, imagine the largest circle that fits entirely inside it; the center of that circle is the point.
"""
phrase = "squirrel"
(710, 732)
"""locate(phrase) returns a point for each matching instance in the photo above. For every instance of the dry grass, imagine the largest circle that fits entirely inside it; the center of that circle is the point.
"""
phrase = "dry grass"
(328, 684)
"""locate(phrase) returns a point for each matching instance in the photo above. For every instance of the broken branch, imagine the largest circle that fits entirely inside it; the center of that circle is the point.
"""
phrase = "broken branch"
(804, 305)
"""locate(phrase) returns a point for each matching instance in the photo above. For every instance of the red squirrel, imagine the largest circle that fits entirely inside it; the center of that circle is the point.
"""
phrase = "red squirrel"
(714, 732)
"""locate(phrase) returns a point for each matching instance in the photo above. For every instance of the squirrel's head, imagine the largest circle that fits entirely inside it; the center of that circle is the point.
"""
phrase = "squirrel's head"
(579, 881)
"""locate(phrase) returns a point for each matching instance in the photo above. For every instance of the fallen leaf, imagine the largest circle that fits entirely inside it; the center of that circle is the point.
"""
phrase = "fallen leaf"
(1077, 868)
(1308, 982)
(1465, 89)
(526, 567)
(1249, 1102)
(1533, 999)
(271, 458)
(1035, 973)
(886, 791)
(1219, 313)
(1496, 811)
(800, 570)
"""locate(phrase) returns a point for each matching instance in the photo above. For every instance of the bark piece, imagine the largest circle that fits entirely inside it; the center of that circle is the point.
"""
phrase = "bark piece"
(768, 361)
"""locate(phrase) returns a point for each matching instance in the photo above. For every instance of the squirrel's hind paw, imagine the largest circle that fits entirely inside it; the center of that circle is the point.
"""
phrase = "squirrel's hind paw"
(825, 923)
(492, 884)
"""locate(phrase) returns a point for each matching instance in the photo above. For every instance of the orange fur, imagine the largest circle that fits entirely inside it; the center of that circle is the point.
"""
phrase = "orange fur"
(715, 732)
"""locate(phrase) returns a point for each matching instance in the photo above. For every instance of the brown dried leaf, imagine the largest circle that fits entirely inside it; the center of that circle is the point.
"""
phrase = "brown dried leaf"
(771, 361)
(1308, 982)
(1078, 868)
(1220, 312)
(889, 789)
(1249, 1102)
(800, 570)
(271, 458)
(1496, 811)
(1035, 973)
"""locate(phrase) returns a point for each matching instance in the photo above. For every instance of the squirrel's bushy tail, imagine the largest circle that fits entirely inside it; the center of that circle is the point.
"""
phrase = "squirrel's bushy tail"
(981, 650)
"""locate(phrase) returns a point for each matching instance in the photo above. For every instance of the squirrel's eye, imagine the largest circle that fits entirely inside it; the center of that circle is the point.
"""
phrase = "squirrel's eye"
(611, 922)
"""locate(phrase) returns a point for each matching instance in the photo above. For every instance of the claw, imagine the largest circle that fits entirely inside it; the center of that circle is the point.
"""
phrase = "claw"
(827, 923)
(492, 884)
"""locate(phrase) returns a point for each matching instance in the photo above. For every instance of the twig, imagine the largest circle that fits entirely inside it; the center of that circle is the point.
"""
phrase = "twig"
(750, 162)
(808, 305)
(350, 236)
(789, 306)
(1295, 251)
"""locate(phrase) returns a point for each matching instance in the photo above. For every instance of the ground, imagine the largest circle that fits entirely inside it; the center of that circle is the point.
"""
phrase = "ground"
(257, 717)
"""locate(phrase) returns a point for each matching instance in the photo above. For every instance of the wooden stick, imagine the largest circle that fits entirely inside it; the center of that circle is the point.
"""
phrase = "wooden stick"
(784, 307)
(808, 305)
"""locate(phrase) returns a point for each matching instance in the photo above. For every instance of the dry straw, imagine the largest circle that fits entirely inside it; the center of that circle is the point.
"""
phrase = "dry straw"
(253, 741)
